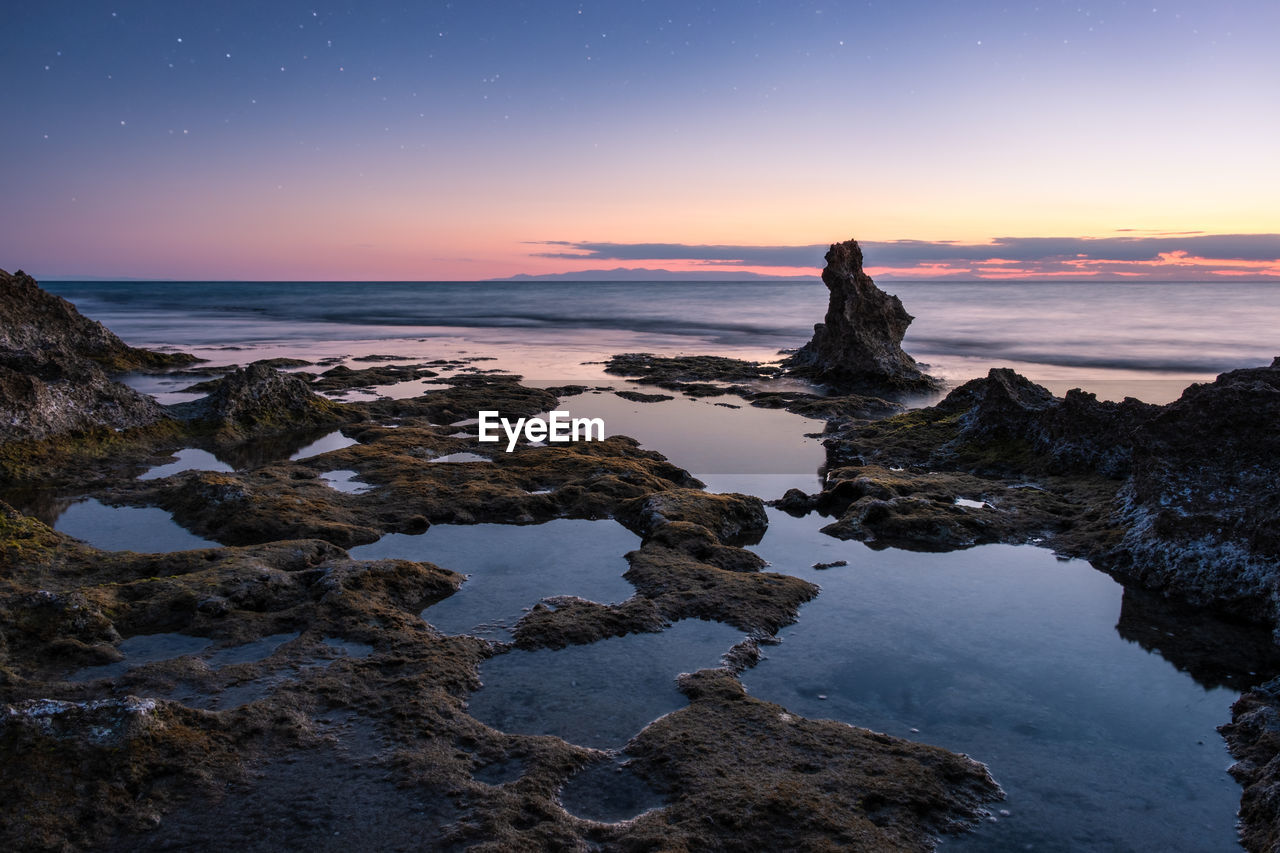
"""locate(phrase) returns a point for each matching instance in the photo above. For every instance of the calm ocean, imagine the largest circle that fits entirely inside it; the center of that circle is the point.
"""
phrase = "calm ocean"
(1115, 338)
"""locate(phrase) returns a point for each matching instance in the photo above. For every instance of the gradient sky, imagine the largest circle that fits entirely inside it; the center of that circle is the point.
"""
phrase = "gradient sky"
(471, 140)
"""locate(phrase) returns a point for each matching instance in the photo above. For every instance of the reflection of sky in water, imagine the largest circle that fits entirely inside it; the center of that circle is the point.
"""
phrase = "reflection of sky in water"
(189, 459)
(601, 694)
(1009, 655)
(761, 451)
(145, 529)
(345, 481)
(512, 567)
(333, 441)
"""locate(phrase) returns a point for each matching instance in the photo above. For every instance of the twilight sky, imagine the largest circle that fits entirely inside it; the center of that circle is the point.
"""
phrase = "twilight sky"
(466, 140)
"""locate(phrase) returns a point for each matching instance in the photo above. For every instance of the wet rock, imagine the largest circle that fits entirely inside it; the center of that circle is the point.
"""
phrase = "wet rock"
(343, 378)
(257, 400)
(1253, 737)
(37, 323)
(91, 767)
(1201, 509)
(911, 523)
(567, 390)
(669, 371)
(666, 571)
(842, 407)
(747, 775)
(566, 620)
(640, 397)
(731, 517)
(290, 500)
(858, 347)
(795, 502)
(46, 395)
(680, 571)
(832, 565)
(466, 396)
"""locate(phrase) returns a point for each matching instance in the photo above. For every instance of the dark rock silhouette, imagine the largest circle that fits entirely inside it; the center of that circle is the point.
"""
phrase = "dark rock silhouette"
(859, 347)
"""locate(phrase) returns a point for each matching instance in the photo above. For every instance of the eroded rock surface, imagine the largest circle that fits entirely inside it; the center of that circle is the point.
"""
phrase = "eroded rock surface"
(807, 784)
(257, 400)
(36, 322)
(859, 346)
(1253, 736)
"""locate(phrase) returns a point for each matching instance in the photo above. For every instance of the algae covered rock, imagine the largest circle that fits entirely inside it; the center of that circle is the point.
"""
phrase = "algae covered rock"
(859, 346)
(745, 774)
(257, 400)
(51, 394)
(728, 516)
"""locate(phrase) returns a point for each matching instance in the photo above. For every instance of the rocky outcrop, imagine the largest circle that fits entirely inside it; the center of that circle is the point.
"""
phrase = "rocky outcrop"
(257, 400)
(1253, 736)
(859, 347)
(52, 360)
(1178, 498)
(49, 394)
(36, 322)
(1201, 508)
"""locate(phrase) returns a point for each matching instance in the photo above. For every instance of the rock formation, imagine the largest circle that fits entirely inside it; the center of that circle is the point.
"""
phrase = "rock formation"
(51, 368)
(1253, 736)
(257, 400)
(1178, 498)
(1201, 508)
(34, 321)
(859, 347)
(45, 395)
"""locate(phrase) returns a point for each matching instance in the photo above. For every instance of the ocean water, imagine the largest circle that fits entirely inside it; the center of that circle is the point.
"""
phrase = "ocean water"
(1147, 340)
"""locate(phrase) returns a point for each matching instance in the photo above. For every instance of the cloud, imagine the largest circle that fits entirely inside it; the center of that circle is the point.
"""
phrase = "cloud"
(1133, 254)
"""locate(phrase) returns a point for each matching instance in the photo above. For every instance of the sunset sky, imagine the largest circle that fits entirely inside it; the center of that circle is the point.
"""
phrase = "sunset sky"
(469, 140)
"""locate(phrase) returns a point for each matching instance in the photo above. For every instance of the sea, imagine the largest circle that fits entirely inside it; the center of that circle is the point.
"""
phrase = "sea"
(1074, 690)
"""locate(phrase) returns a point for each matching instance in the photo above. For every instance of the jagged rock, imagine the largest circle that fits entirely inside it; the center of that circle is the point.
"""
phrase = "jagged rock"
(1201, 507)
(52, 393)
(257, 400)
(51, 368)
(859, 347)
(1001, 424)
(1075, 432)
(35, 321)
(1253, 736)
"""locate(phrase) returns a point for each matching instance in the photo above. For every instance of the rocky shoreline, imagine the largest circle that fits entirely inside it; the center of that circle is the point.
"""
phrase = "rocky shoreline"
(320, 688)
(360, 694)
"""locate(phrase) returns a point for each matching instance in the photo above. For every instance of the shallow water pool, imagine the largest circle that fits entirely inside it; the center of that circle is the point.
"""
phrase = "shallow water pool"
(1012, 656)
(510, 568)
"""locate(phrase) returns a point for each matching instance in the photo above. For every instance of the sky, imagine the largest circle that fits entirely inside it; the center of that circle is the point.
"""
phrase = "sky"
(484, 139)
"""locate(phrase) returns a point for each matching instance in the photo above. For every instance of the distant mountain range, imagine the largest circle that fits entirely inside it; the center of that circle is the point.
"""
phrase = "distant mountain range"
(626, 274)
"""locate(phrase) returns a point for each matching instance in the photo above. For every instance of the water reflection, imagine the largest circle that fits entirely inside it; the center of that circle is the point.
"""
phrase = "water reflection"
(1010, 655)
